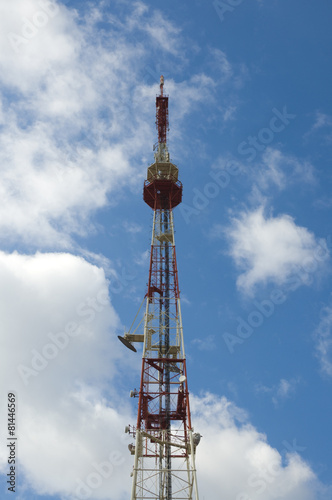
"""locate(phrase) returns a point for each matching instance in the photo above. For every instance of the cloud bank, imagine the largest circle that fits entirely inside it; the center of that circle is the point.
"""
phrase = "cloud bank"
(323, 339)
(77, 112)
(67, 368)
(269, 249)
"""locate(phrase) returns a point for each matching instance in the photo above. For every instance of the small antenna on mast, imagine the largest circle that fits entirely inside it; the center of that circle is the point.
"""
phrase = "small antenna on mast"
(161, 85)
(162, 114)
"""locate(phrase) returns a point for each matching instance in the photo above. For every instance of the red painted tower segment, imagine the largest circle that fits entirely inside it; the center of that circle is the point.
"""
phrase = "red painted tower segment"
(162, 114)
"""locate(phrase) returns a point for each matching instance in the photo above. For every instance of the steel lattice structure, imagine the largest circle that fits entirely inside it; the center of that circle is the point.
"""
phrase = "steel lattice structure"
(165, 445)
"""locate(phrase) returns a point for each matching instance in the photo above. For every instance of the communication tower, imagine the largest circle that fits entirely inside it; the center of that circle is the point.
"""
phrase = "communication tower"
(165, 443)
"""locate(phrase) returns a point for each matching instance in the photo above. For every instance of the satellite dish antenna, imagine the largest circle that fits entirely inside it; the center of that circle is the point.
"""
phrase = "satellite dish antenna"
(182, 379)
(127, 343)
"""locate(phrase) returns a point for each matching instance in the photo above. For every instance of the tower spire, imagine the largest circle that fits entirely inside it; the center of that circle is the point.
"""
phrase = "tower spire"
(161, 85)
(162, 123)
(165, 445)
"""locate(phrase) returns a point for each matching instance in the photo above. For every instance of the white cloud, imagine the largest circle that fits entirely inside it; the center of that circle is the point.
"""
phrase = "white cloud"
(324, 203)
(185, 300)
(284, 388)
(75, 107)
(217, 231)
(271, 171)
(31, 38)
(323, 338)
(47, 195)
(273, 249)
(41, 295)
(235, 461)
(224, 67)
(132, 227)
(163, 33)
(280, 392)
(206, 343)
(321, 120)
(229, 113)
(281, 170)
(59, 164)
(60, 352)
(70, 413)
(143, 259)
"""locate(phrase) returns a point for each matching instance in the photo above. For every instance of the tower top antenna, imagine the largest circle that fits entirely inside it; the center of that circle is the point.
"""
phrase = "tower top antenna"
(161, 86)
(162, 115)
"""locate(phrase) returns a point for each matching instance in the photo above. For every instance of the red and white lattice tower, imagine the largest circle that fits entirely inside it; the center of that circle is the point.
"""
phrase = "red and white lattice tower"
(165, 444)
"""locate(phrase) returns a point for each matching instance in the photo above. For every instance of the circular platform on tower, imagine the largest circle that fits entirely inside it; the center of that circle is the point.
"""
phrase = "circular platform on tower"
(162, 194)
(162, 189)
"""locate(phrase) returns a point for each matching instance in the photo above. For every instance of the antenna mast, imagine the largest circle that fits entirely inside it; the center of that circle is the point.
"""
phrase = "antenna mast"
(165, 445)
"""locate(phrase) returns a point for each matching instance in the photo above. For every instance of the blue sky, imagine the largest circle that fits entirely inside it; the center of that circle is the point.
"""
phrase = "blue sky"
(251, 132)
